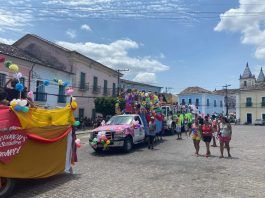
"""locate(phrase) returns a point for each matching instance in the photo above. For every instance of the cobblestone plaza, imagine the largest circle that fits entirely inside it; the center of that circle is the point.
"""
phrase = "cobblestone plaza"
(170, 170)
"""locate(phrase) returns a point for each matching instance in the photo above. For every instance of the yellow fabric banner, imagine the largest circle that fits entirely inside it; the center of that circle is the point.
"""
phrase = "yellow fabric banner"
(37, 117)
(38, 160)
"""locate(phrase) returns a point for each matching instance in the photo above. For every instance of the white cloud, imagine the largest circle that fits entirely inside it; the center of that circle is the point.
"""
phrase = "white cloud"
(77, 2)
(115, 55)
(14, 21)
(71, 33)
(124, 8)
(86, 27)
(249, 20)
(145, 77)
(7, 41)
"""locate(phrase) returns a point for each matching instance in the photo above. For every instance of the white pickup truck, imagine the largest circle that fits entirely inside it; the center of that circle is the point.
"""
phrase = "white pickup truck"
(121, 131)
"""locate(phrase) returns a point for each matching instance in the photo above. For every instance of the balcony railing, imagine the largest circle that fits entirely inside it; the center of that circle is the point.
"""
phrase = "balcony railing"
(40, 97)
(61, 98)
(263, 104)
(248, 104)
(106, 91)
(83, 86)
(96, 89)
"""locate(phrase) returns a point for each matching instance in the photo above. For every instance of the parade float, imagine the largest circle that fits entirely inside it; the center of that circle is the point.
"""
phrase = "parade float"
(35, 142)
(128, 127)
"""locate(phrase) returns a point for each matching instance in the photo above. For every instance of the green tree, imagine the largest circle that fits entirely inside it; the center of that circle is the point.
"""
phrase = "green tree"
(106, 105)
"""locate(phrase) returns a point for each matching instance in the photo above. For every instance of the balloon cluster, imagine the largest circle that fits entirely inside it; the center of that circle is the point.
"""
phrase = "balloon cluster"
(136, 99)
(19, 105)
(11, 66)
(102, 139)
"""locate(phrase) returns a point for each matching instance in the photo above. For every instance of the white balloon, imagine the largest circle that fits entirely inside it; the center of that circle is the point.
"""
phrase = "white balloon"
(23, 103)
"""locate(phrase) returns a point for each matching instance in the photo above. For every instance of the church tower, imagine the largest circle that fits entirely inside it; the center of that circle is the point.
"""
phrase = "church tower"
(247, 79)
(261, 77)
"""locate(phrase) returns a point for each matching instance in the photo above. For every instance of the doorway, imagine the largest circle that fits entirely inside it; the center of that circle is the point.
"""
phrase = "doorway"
(249, 118)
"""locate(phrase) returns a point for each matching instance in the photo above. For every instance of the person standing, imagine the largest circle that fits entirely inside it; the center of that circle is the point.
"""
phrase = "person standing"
(214, 125)
(159, 124)
(12, 93)
(178, 128)
(196, 136)
(143, 117)
(151, 133)
(207, 134)
(225, 133)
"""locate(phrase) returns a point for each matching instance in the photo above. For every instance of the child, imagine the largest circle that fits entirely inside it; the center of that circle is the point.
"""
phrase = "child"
(151, 133)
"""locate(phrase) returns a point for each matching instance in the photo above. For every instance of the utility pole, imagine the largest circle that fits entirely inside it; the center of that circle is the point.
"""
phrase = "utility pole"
(226, 97)
(120, 70)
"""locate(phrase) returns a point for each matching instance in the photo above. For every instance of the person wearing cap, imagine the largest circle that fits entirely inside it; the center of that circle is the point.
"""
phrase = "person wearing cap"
(151, 132)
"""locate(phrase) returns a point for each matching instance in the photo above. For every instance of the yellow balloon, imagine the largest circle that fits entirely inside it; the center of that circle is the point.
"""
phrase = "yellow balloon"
(13, 103)
(74, 105)
(108, 142)
(13, 68)
(60, 82)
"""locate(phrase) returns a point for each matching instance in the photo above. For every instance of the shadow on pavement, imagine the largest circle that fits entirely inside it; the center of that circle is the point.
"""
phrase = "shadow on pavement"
(38, 185)
(118, 151)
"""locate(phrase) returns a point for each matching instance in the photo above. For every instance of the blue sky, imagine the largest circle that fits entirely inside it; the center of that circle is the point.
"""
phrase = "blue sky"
(173, 43)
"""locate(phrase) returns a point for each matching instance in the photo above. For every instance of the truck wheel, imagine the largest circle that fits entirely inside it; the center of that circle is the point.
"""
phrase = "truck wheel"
(128, 144)
(6, 186)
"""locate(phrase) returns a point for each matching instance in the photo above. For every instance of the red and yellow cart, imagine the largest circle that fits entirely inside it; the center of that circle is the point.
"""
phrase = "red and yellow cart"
(36, 144)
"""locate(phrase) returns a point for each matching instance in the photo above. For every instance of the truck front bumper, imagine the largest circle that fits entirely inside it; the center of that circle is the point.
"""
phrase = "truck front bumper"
(113, 143)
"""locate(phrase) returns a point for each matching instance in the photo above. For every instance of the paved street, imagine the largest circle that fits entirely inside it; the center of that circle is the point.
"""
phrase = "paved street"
(171, 170)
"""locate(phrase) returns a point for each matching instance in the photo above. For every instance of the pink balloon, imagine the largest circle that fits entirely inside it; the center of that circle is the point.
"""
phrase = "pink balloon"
(30, 94)
(78, 141)
(69, 91)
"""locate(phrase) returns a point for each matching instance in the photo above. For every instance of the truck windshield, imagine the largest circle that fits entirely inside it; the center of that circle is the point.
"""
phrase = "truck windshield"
(118, 120)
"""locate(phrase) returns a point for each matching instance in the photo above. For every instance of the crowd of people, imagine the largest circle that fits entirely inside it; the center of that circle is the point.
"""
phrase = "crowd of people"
(210, 129)
(148, 106)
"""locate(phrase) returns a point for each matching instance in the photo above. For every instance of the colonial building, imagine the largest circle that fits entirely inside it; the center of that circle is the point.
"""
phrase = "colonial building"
(90, 78)
(34, 72)
(231, 98)
(206, 101)
(251, 97)
(127, 84)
